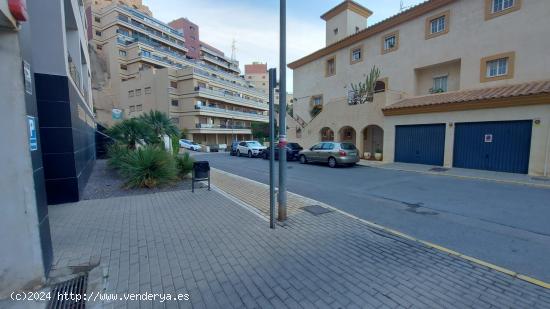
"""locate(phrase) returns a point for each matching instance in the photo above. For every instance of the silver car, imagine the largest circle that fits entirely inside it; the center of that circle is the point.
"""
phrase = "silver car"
(332, 153)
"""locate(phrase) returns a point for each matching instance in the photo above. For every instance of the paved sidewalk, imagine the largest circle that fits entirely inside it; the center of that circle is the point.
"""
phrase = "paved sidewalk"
(543, 182)
(224, 256)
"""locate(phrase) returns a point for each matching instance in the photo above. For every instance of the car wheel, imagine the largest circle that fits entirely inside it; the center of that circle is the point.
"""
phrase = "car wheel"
(303, 159)
(332, 162)
(238, 153)
(250, 154)
(264, 155)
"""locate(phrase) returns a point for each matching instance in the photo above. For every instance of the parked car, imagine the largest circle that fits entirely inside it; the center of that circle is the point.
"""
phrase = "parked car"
(233, 148)
(214, 147)
(332, 153)
(187, 144)
(292, 152)
(250, 148)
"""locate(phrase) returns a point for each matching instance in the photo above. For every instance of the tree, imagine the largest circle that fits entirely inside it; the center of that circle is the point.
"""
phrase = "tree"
(364, 92)
(160, 124)
(131, 132)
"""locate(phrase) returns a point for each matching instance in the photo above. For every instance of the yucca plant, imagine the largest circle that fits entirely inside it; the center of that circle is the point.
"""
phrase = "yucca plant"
(148, 167)
(364, 92)
(184, 165)
(131, 132)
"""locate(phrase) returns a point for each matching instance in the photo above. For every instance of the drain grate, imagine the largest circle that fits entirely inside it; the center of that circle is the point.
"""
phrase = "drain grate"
(316, 210)
(438, 169)
(61, 293)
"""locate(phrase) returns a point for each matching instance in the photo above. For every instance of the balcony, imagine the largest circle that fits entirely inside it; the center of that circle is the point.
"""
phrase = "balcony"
(222, 62)
(150, 21)
(221, 126)
(233, 98)
(225, 82)
(237, 114)
(142, 27)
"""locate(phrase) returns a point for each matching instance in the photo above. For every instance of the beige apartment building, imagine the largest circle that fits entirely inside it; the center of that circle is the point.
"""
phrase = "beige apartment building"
(256, 74)
(463, 83)
(142, 65)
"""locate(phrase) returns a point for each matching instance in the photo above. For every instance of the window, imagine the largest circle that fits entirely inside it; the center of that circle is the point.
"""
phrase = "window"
(99, 47)
(122, 53)
(439, 84)
(138, 92)
(497, 67)
(330, 69)
(146, 53)
(147, 90)
(357, 29)
(98, 33)
(437, 25)
(327, 146)
(175, 103)
(130, 93)
(123, 67)
(97, 19)
(139, 107)
(390, 42)
(335, 31)
(380, 86)
(356, 54)
(132, 108)
(495, 8)
(174, 84)
(317, 100)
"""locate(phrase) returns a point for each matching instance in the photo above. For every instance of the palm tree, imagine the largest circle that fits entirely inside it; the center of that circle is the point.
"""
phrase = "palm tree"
(160, 124)
(130, 132)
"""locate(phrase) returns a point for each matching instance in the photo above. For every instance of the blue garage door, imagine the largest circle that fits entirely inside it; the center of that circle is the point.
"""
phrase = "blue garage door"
(422, 144)
(501, 146)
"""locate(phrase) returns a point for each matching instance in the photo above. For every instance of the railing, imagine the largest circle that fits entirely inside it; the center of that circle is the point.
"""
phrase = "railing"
(151, 21)
(222, 62)
(232, 97)
(144, 28)
(231, 112)
(221, 126)
(217, 79)
(75, 76)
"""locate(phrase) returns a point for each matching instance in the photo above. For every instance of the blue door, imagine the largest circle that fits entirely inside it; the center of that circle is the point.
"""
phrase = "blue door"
(422, 144)
(502, 146)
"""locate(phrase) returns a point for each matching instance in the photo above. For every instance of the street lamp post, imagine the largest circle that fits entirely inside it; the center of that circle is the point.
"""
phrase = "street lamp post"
(282, 198)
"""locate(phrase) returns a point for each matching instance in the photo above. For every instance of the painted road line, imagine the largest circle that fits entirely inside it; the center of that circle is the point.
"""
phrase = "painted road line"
(402, 235)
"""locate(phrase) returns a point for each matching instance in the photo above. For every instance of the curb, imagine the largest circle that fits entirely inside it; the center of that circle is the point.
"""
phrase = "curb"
(479, 262)
(521, 183)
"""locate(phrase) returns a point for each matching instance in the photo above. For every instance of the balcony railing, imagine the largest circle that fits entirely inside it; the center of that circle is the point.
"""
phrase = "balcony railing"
(151, 21)
(221, 126)
(231, 112)
(223, 81)
(75, 76)
(222, 62)
(231, 97)
(151, 32)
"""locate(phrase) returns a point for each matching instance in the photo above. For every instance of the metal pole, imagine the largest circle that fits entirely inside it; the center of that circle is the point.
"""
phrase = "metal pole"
(272, 82)
(282, 114)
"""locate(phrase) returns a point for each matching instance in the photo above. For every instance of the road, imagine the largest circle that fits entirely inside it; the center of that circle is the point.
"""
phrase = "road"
(504, 224)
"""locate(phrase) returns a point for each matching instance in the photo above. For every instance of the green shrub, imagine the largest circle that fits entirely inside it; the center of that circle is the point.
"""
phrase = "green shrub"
(184, 165)
(148, 167)
(115, 153)
(175, 144)
(131, 132)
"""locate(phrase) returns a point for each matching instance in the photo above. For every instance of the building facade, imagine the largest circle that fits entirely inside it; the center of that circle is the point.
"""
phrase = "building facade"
(191, 33)
(443, 64)
(49, 126)
(148, 66)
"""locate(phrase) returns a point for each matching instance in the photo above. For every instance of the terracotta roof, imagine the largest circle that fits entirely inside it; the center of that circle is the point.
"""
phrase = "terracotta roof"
(473, 99)
(347, 5)
(382, 26)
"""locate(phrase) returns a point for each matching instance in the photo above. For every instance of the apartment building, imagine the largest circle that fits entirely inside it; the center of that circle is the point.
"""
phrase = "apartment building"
(150, 68)
(257, 75)
(191, 33)
(47, 126)
(463, 83)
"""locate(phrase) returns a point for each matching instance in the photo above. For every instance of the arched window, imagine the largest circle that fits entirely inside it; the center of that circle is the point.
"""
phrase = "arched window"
(380, 86)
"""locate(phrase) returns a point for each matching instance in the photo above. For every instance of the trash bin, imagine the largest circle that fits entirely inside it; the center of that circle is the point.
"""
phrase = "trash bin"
(201, 172)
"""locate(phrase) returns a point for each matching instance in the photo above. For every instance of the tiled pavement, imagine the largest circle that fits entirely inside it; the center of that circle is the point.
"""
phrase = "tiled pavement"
(225, 256)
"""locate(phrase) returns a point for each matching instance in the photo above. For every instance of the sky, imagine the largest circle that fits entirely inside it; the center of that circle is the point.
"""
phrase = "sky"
(254, 25)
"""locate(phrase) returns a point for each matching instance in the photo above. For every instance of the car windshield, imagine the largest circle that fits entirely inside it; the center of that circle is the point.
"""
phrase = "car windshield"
(254, 144)
(194, 143)
(347, 146)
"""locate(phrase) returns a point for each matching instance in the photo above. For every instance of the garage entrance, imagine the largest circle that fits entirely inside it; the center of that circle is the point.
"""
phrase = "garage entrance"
(502, 146)
(422, 144)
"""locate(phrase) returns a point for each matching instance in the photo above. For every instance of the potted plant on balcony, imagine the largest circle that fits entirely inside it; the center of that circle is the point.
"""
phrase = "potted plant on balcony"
(364, 92)
(315, 110)
(378, 154)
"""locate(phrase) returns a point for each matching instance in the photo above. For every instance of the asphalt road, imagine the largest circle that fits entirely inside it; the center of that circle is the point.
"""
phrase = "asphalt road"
(507, 225)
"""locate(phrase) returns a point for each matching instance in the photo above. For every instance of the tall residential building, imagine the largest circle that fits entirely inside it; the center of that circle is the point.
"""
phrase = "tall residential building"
(191, 33)
(145, 65)
(257, 74)
(463, 83)
(47, 125)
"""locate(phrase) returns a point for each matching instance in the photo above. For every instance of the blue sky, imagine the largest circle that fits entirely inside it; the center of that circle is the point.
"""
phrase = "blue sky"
(254, 24)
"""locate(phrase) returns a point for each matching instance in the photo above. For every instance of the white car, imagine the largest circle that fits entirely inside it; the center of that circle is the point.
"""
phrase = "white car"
(187, 144)
(250, 149)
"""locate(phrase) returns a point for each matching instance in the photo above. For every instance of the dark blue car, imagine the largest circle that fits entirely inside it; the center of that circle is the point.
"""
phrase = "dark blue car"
(292, 152)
